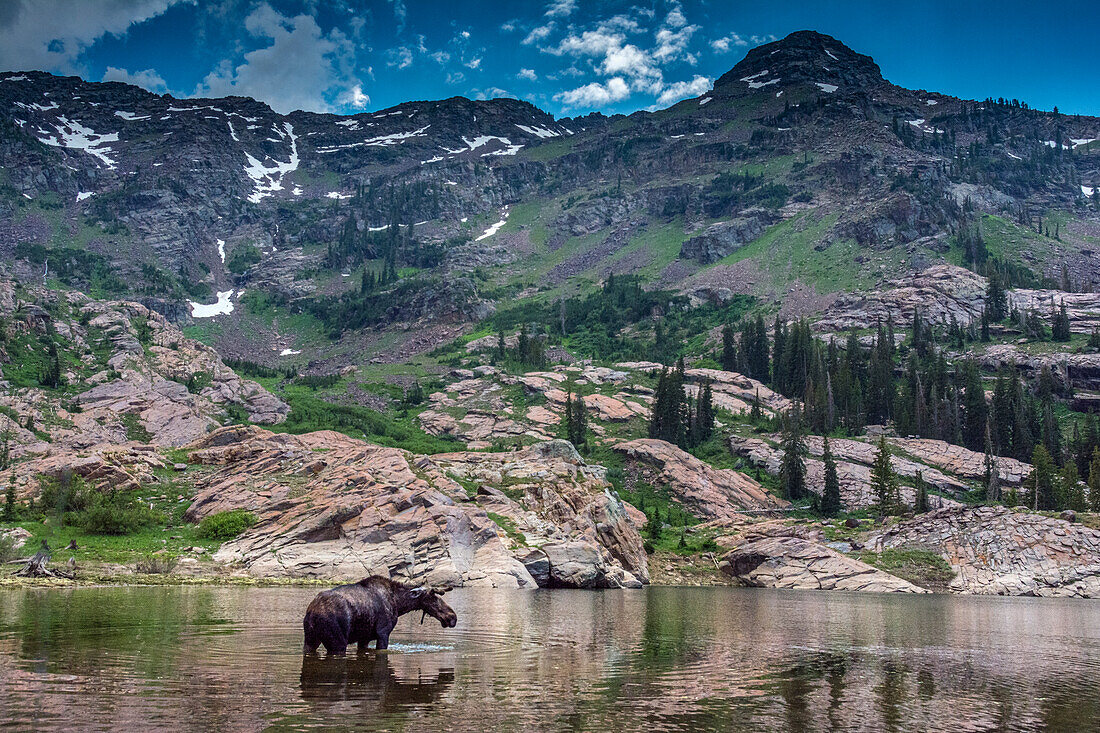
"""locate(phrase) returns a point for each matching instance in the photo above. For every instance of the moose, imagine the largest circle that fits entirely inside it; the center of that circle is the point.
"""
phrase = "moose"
(359, 612)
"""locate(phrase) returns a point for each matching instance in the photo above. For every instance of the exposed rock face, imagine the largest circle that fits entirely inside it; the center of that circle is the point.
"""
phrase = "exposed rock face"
(854, 474)
(961, 461)
(1080, 371)
(945, 292)
(334, 507)
(940, 293)
(802, 564)
(706, 492)
(114, 467)
(726, 237)
(998, 551)
(176, 388)
(562, 508)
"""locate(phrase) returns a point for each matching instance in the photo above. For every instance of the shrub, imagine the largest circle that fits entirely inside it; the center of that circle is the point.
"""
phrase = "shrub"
(226, 525)
(112, 514)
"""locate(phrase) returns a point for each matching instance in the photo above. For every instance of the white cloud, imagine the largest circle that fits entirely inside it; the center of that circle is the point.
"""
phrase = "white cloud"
(528, 74)
(299, 69)
(722, 45)
(455, 77)
(538, 33)
(147, 79)
(683, 90)
(508, 26)
(473, 63)
(51, 35)
(355, 97)
(561, 8)
(671, 44)
(595, 94)
(492, 93)
(402, 57)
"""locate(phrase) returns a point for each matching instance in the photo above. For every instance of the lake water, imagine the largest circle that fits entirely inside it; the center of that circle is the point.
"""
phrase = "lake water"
(662, 659)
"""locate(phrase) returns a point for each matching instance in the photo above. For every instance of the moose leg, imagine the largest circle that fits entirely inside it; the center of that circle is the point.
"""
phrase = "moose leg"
(383, 634)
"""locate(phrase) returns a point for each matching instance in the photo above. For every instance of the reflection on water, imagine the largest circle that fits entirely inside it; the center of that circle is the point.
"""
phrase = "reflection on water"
(661, 659)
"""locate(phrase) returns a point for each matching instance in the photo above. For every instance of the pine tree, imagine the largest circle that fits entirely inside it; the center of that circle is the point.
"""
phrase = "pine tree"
(1041, 480)
(704, 415)
(1094, 481)
(578, 424)
(9, 503)
(977, 414)
(567, 417)
(996, 299)
(1071, 492)
(728, 358)
(792, 470)
(884, 481)
(830, 497)
(921, 487)
(1060, 324)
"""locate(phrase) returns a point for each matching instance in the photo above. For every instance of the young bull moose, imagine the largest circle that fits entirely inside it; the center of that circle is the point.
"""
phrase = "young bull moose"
(369, 609)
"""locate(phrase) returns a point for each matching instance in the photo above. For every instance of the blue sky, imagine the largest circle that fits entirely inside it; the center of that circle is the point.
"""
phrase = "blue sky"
(569, 57)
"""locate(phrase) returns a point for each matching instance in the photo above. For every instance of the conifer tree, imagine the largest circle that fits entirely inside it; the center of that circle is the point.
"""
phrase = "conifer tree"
(1071, 492)
(728, 358)
(792, 470)
(578, 424)
(996, 300)
(830, 497)
(9, 502)
(977, 414)
(1094, 481)
(920, 506)
(1041, 480)
(567, 416)
(884, 483)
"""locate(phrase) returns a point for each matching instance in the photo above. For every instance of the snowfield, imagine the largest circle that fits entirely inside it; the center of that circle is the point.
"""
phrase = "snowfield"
(289, 352)
(84, 195)
(541, 132)
(827, 88)
(269, 179)
(221, 250)
(71, 134)
(209, 310)
(130, 116)
(495, 227)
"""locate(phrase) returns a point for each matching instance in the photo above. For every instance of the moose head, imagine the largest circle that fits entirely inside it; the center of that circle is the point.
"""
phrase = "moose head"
(430, 601)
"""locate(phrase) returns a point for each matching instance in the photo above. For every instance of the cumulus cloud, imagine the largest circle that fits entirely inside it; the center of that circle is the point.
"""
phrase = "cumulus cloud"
(50, 35)
(595, 94)
(528, 74)
(301, 68)
(723, 44)
(355, 97)
(538, 33)
(147, 79)
(684, 89)
(561, 8)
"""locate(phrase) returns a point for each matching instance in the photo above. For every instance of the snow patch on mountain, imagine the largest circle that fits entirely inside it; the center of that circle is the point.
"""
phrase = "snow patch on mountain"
(269, 179)
(223, 306)
(73, 135)
(493, 229)
(827, 88)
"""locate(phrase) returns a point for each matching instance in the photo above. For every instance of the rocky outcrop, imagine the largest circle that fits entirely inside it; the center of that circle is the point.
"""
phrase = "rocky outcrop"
(1000, 551)
(560, 512)
(1076, 370)
(726, 237)
(106, 467)
(960, 461)
(704, 491)
(941, 293)
(854, 474)
(803, 564)
(334, 507)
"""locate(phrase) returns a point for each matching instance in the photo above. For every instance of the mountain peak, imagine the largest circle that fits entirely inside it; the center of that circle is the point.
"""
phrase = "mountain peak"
(801, 57)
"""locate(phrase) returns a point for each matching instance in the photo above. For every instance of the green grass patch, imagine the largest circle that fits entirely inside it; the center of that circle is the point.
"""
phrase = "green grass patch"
(920, 567)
